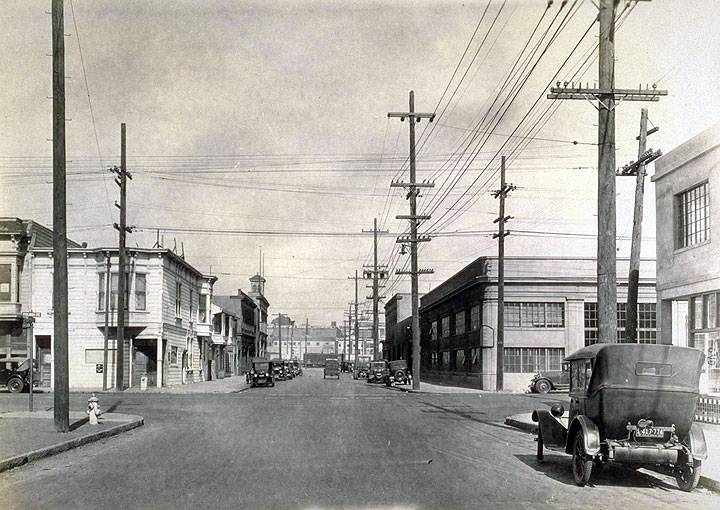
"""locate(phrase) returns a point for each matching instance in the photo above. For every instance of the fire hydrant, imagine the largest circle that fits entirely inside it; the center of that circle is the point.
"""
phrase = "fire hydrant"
(93, 410)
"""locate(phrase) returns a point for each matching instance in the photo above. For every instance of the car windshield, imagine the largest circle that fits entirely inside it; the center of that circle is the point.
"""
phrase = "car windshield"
(378, 365)
(261, 367)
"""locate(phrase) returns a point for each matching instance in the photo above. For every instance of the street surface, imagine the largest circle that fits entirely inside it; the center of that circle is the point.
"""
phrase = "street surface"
(315, 443)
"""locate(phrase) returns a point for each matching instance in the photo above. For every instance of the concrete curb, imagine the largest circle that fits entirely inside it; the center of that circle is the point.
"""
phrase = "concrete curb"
(531, 427)
(22, 459)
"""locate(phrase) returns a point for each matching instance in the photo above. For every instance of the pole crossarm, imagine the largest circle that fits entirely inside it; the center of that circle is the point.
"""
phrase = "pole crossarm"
(401, 184)
(504, 190)
(416, 115)
(419, 271)
(419, 239)
(413, 217)
(639, 94)
(632, 168)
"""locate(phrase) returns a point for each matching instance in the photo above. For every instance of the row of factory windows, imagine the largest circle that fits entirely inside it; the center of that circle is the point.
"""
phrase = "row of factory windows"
(516, 359)
(646, 319)
(516, 315)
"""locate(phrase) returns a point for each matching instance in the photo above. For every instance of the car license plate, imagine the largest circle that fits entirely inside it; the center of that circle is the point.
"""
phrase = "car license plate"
(650, 432)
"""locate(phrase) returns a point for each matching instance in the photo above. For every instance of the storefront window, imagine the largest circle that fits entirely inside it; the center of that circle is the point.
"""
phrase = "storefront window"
(710, 307)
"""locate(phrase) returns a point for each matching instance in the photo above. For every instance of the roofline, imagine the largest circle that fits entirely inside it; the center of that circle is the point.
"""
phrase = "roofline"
(151, 251)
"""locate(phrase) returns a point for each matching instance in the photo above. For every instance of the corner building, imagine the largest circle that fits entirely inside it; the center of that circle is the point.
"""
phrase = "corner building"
(550, 311)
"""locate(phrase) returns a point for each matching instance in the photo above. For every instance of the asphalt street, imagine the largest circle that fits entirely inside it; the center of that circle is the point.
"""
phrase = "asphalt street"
(315, 443)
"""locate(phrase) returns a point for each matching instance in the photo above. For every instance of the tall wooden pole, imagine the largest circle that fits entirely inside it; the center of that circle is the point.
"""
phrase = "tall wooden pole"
(606, 250)
(106, 304)
(376, 320)
(500, 357)
(634, 276)
(357, 321)
(60, 281)
(122, 373)
(279, 336)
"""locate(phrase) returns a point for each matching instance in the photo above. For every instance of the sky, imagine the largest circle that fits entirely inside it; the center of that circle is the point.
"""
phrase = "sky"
(262, 126)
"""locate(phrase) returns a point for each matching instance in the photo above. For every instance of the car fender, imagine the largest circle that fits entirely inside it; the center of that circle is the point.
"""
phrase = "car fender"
(591, 435)
(552, 430)
(696, 442)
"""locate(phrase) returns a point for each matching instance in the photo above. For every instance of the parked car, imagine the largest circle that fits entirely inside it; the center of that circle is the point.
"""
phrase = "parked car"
(332, 368)
(398, 373)
(279, 372)
(15, 374)
(377, 371)
(544, 382)
(262, 373)
(629, 403)
(297, 369)
(360, 371)
(289, 369)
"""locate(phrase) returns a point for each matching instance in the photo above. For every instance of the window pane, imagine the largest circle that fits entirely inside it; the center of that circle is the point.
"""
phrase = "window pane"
(555, 357)
(5, 282)
(555, 315)
(101, 291)
(710, 305)
(460, 323)
(512, 360)
(460, 360)
(698, 313)
(511, 314)
(475, 317)
(140, 292)
(445, 327)
(693, 220)
(433, 330)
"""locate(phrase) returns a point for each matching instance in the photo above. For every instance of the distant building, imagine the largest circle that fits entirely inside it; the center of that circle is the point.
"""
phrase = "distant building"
(550, 310)
(687, 194)
(257, 293)
(295, 343)
(398, 322)
(246, 311)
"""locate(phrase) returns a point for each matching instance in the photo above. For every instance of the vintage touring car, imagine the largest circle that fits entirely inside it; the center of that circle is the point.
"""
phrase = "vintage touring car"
(629, 403)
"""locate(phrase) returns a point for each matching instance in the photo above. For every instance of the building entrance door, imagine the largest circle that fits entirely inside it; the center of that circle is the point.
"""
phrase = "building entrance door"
(144, 362)
(44, 357)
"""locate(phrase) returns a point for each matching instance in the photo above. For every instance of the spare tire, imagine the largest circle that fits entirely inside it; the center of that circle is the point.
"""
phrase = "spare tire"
(400, 375)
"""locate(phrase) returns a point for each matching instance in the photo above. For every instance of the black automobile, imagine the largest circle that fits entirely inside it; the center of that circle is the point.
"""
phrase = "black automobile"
(360, 371)
(261, 373)
(377, 372)
(289, 369)
(544, 382)
(279, 372)
(15, 374)
(398, 373)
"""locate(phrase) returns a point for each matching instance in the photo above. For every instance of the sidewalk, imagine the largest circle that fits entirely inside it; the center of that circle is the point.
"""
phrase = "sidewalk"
(710, 468)
(435, 389)
(235, 384)
(27, 436)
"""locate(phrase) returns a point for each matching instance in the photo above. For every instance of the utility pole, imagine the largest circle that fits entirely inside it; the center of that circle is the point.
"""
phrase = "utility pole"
(357, 325)
(279, 337)
(306, 335)
(106, 335)
(61, 388)
(605, 96)
(637, 168)
(500, 236)
(122, 376)
(376, 273)
(414, 191)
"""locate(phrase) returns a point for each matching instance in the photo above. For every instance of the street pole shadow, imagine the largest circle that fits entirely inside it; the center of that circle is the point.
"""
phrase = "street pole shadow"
(78, 424)
(559, 468)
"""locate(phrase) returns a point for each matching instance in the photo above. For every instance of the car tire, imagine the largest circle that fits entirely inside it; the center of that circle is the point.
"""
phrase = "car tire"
(15, 385)
(400, 376)
(687, 476)
(581, 464)
(543, 386)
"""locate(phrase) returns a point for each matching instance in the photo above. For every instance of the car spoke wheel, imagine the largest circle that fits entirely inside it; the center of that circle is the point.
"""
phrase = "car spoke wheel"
(543, 386)
(15, 385)
(687, 476)
(581, 464)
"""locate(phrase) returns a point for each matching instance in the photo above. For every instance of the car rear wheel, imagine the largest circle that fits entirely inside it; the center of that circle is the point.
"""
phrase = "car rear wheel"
(15, 385)
(543, 386)
(581, 464)
(687, 476)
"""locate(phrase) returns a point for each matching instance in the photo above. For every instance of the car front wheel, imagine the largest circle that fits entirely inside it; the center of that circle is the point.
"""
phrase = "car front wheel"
(15, 385)
(543, 386)
(581, 464)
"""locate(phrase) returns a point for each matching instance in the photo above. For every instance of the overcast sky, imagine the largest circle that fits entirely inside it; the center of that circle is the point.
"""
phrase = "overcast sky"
(272, 117)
